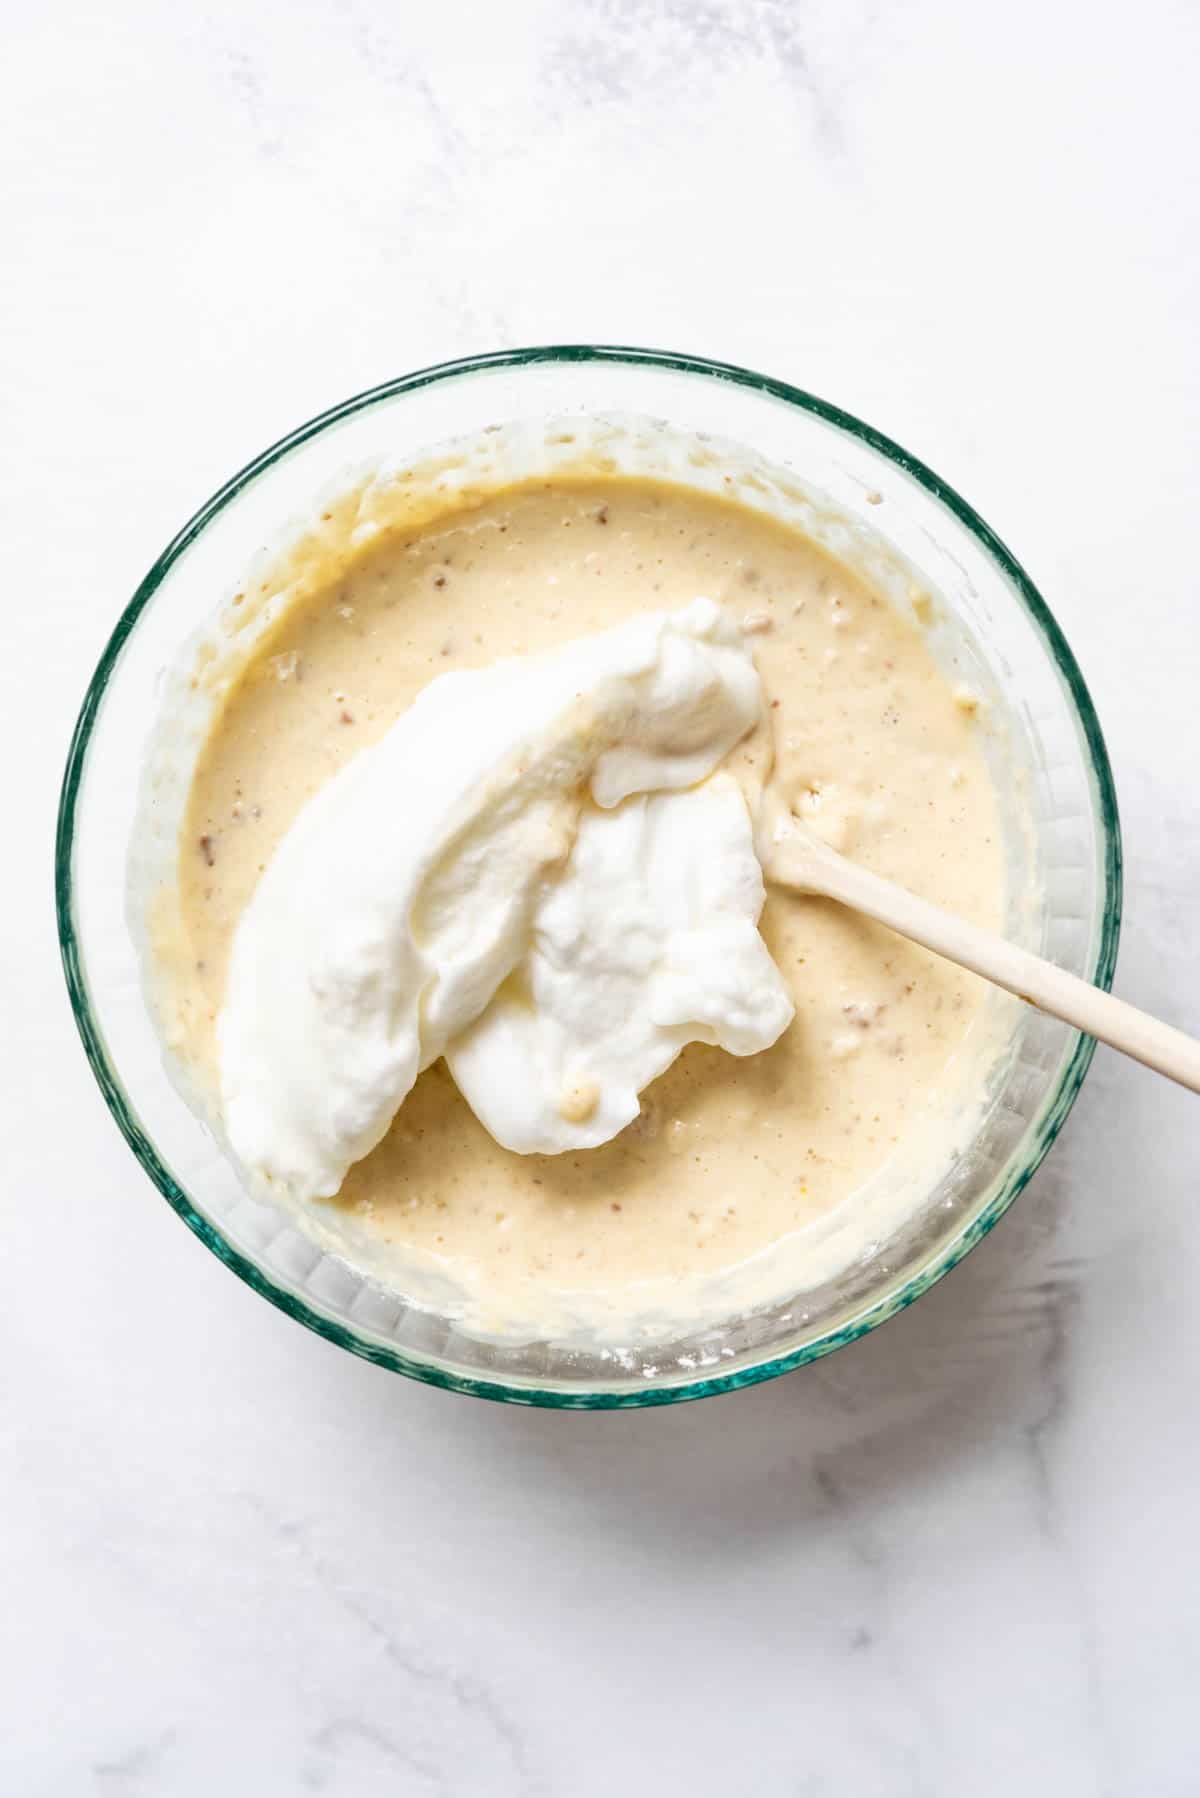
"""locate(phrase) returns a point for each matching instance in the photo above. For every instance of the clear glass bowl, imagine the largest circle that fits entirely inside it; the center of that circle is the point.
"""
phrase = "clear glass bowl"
(1076, 859)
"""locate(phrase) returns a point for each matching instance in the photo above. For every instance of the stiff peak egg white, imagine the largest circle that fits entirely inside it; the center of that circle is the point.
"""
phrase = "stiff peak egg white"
(487, 884)
(648, 942)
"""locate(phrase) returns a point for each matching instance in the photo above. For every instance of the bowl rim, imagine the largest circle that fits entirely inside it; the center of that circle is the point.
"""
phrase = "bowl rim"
(871, 1315)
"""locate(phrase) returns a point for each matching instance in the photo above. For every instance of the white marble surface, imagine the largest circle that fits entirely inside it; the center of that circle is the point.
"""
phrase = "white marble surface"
(960, 1558)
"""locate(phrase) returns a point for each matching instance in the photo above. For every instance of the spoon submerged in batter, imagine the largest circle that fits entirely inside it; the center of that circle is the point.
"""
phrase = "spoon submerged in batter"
(794, 856)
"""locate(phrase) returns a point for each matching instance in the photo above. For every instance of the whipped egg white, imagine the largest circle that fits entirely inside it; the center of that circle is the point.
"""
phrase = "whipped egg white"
(538, 874)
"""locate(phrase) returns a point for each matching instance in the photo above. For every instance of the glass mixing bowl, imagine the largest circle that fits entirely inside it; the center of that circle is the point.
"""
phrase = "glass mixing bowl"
(1075, 860)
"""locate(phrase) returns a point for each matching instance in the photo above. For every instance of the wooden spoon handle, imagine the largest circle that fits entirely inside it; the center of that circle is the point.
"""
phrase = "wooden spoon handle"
(795, 859)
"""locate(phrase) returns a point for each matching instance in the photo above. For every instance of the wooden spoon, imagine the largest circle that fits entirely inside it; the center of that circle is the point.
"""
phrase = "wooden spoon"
(794, 856)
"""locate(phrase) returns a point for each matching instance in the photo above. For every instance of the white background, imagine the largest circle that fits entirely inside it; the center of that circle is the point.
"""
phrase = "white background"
(958, 1559)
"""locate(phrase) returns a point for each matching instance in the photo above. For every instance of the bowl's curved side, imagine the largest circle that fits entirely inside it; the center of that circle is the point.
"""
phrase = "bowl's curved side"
(1054, 1111)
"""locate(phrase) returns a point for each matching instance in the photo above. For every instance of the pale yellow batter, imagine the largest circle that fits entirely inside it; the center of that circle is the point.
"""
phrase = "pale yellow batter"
(875, 748)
